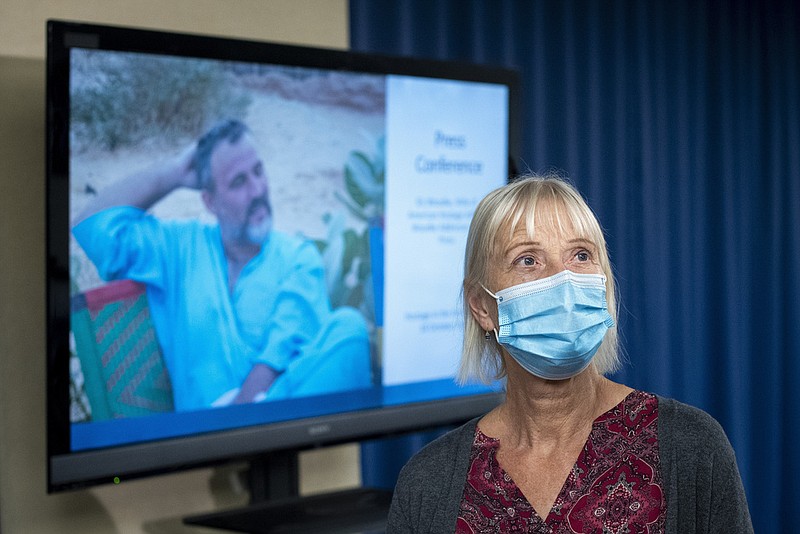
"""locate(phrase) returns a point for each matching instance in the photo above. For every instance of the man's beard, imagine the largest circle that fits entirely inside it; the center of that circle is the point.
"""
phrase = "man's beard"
(257, 233)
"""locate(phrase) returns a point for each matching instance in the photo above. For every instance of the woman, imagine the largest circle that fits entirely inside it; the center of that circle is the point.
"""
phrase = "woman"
(568, 450)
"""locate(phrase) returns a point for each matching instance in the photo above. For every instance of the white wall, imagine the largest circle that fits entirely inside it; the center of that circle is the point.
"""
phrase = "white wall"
(150, 505)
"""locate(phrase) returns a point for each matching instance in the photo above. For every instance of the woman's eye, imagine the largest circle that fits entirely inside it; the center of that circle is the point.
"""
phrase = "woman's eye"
(526, 261)
(583, 256)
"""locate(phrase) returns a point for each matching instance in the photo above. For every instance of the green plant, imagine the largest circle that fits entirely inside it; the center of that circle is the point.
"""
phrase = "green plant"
(350, 255)
(364, 179)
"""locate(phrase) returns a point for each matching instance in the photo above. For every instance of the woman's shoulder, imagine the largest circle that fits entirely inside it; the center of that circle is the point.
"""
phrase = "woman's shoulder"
(692, 439)
(429, 487)
(440, 453)
(698, 466)
(682, 422)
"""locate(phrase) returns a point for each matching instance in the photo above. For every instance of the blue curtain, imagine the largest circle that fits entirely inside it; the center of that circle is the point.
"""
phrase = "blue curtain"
(680, 122)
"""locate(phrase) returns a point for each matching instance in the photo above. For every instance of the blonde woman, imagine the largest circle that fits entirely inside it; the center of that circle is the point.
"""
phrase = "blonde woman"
(568, 450)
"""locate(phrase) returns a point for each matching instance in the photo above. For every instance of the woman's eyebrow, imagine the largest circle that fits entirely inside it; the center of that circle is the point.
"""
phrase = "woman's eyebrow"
(513, 246)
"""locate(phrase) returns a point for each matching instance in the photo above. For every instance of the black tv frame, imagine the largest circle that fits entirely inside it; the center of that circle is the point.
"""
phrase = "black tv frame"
(267, 445)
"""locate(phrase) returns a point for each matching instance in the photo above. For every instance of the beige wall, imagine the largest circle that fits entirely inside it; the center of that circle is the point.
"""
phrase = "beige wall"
(150, 505)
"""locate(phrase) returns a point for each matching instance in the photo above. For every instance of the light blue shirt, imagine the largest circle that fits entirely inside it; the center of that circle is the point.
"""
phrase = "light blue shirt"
(211, 338)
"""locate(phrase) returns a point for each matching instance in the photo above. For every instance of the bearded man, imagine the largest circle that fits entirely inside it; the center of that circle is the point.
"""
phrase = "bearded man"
(241, 311)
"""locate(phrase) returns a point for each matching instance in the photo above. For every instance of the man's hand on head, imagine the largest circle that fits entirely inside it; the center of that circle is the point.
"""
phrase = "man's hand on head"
(185, 168)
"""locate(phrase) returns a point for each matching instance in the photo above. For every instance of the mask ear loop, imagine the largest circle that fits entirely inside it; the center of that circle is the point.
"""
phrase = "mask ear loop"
(487, 336)
(495, 297)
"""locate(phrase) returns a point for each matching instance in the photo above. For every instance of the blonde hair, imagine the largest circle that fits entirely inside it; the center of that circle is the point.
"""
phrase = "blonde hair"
(502, 211)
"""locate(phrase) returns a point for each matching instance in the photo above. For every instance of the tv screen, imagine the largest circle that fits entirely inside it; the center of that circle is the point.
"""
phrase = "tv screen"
(255, 247)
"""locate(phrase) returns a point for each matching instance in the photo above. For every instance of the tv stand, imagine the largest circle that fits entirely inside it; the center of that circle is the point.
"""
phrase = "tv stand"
(277, 508)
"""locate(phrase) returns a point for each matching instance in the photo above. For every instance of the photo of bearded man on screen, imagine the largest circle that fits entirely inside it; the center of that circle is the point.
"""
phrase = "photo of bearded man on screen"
(241, 311)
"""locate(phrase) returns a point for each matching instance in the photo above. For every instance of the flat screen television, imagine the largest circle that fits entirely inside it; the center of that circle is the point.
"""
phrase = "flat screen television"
(331, 259)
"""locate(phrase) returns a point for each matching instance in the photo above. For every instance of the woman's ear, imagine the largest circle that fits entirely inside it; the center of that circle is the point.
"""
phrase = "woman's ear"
(483, 309)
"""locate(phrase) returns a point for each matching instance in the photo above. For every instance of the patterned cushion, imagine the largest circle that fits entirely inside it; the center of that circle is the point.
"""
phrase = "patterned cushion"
(124, 372)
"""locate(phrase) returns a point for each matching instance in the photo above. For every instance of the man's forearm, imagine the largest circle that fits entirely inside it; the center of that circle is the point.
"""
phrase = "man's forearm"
(259, 380)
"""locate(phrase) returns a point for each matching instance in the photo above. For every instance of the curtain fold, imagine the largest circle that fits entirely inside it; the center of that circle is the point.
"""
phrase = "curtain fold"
(680, 123)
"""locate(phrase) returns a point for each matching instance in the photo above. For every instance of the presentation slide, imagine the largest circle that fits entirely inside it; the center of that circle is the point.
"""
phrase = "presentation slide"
(385, 198)
(446, 147)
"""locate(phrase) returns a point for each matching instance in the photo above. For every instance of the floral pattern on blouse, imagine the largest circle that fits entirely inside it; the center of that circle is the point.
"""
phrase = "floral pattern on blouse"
(613, 488)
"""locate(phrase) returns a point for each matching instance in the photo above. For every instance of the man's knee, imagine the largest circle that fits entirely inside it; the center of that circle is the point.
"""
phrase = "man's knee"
(344, 325)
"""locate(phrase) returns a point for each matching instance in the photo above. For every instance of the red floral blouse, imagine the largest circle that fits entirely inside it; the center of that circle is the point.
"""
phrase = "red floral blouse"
(614, 486)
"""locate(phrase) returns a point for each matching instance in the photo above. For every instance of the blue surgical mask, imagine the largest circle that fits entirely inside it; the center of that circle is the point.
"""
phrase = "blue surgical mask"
(553, 327)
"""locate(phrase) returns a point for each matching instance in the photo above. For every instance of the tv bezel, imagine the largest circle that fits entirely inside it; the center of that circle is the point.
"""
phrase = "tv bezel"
(72, 470)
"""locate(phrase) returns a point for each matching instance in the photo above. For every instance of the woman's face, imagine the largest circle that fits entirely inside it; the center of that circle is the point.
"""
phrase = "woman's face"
(522, 259)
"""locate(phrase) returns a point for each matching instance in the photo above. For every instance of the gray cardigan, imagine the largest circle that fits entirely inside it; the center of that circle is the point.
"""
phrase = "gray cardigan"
(702, 485)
